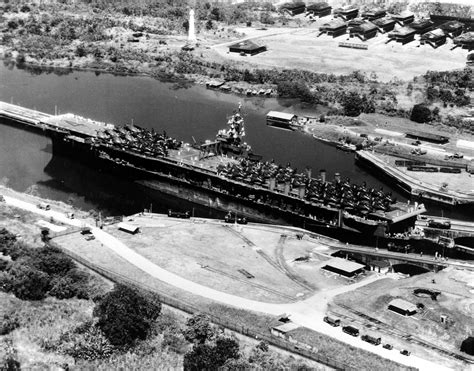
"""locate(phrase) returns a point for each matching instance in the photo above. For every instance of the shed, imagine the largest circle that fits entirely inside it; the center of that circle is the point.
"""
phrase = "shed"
(247, 47)
(343, 267)
(380, 266)
(282, 330)
(402, 307)
(319, 9)
(130, 228)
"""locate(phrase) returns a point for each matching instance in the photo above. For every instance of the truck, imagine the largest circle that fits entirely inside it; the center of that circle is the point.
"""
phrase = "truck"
(43, 206)
(371, 339)
(334, 322)
(179, 214)
(351, 330)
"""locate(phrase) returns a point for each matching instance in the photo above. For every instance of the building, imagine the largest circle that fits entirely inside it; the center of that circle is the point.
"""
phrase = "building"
(402, 307)
(372, 15)
(385, 24)
(435, 38)
(129, 228)
(428, 137)
(452, 28)
(422, 26)
(364, 31)
(346, 13)
(404, 18)
(343, 267)
(319, 9)
(281, 119)
(334, 28)
(247, 47)
(380, 266)
(283, 330)
(293, 8)
(403, 35)
(465, 41)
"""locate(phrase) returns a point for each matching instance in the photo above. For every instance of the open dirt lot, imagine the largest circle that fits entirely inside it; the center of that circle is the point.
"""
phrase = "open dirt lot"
(301, 48)
(214, 254)
(456, 301)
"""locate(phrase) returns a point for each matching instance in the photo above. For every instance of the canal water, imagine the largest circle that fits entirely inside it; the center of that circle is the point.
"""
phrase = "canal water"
(186, 112)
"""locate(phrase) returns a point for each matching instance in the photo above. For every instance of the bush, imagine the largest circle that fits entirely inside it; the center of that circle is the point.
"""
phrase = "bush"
(26, 282)
(52, 260)
(126, 315)
(420, 113)
(88, 343)
(211, 357)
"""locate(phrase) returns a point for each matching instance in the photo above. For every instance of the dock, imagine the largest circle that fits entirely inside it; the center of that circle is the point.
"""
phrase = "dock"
(423, 185)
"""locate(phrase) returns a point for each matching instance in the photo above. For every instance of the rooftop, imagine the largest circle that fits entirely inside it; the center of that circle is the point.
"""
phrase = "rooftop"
(344, 265)
(286, 327)
(403, 305)
(281, 115)
(246, 45)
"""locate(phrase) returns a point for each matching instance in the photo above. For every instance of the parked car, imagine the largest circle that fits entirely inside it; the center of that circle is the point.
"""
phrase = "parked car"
(458, 155)
(405, 352)
(388, 346)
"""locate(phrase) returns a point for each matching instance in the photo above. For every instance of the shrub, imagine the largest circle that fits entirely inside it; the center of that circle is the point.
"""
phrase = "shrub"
(211, 357)
(88, 343)
(126, 315)
(52, 260)
(26, 282)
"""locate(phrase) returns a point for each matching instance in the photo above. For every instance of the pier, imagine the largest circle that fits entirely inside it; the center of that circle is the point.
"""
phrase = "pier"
(461, 191)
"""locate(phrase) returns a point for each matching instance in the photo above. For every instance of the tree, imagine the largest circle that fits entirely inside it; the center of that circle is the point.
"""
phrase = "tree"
(51, 260)
(126, 315)
(211, 357)
(198, 329)
(354, 104)
(420, 113)
(201, 357)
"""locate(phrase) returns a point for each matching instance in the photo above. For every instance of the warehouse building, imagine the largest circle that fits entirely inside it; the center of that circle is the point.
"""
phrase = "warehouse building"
(334, 28)
(364, 31)
(372, 15)
(247, 47)
(404, 19)
(343, 267)
(403, 35)
(385, 24)
(402, 307)
(293, 8)
(435, 38)
(346, 13)
(422, 26)
(319, 9)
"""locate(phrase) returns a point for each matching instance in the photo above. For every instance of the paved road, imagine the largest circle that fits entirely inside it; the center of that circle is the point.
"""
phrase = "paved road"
(308, 313)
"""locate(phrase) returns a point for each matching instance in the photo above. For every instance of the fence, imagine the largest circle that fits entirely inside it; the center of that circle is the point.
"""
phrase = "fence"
(297, 348)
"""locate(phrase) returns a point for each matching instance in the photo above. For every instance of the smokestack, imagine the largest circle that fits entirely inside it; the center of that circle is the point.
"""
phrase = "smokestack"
(301, 191)
(322, 175)
(271, 185)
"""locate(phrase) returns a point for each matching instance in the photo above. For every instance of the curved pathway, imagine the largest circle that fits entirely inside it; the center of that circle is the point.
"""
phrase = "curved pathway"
(307, 313)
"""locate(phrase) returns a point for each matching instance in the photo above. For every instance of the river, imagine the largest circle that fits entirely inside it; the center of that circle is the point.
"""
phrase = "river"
(184, 112)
